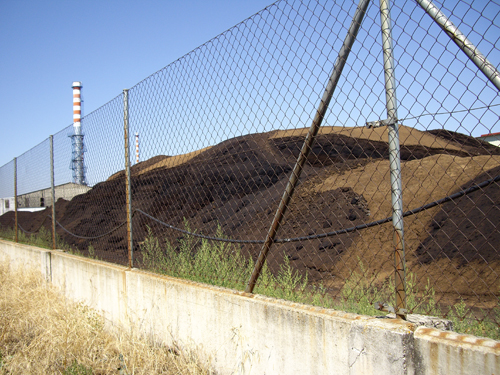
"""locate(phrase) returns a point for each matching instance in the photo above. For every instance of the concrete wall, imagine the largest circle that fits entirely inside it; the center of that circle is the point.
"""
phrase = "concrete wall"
(251, 334)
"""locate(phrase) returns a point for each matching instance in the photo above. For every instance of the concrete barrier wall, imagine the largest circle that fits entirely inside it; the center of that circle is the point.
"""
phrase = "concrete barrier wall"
(251, 334)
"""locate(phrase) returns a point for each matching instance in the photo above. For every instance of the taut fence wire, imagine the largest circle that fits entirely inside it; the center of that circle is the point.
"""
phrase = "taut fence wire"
(272, 159)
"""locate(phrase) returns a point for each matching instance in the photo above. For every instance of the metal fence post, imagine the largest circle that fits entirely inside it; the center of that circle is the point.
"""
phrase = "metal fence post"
(15, 200)
(128, 192)
(54, 243)
(394, 158)
(311, 135)
(462, 42)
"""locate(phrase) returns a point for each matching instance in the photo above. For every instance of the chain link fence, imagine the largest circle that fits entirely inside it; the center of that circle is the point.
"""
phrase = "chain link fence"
(230, 184)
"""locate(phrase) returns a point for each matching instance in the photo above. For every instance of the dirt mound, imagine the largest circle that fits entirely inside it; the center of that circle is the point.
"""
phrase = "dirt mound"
(237, 184)
(33, 221)
(473, 145)
(466, 229)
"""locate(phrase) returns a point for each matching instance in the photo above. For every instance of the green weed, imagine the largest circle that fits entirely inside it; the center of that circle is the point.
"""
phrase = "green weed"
(42, 238)
(77, 369)
(91, 251)
(223, 264)
(359, 294)
(464, 321)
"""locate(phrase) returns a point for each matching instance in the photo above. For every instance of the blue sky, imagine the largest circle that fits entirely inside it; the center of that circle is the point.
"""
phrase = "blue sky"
(189, 90)
(107, 45)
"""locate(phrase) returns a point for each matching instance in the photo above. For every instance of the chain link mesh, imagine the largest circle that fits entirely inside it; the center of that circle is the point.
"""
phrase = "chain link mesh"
(219, 131)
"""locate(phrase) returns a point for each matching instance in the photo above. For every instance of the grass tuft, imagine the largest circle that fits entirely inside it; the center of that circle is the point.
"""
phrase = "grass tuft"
(42, 238)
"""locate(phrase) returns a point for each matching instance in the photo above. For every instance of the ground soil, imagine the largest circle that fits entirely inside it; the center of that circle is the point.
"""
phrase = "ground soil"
(237, 185)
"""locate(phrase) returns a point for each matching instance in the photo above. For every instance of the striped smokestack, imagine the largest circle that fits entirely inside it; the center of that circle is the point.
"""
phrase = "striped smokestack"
(77, 105)
(77, 137)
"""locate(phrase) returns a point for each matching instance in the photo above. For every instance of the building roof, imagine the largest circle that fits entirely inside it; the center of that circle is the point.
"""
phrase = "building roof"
(490, 134)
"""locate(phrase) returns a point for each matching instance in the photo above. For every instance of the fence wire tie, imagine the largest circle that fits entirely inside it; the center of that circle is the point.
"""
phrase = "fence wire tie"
(385, 307)
(379, 123)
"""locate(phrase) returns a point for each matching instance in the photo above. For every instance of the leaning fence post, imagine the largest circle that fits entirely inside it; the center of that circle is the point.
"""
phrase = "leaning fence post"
(15, 199)
(394, 159)
(128, 192)
(54, 243)
(311, 135)
(462, 42)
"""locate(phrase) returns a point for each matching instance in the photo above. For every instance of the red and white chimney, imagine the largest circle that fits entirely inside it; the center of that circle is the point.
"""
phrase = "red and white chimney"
(78, 148)
(77, 106)
(136, 148)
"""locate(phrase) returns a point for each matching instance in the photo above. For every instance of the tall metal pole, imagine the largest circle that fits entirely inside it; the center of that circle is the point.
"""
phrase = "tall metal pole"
(394, 157)
(311, 135)
(54, 243)
(15, 200)
(128, 192)
(462, 42)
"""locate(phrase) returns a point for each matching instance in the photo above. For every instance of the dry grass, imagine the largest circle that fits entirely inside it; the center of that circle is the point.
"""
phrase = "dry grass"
(43, 333)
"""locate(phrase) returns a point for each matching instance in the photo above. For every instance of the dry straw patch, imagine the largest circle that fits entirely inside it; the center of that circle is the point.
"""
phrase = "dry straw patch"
(43, 333)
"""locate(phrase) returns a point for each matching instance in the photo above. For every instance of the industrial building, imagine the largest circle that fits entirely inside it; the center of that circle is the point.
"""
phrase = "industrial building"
(38, 200)
(493, 138)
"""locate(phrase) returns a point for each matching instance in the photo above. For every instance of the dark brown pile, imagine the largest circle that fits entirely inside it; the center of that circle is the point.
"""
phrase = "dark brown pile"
(237, 184)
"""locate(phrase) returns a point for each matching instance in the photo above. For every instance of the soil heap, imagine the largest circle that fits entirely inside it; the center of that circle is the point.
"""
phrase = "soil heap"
(237, 185)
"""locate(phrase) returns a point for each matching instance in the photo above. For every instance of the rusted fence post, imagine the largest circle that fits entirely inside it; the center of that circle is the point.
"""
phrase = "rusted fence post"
(54, 243)
(128, 192)
(311, 135)
(15, 200)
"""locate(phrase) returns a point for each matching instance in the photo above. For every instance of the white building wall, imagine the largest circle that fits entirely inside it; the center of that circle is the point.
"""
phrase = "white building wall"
(6, 205)
(493, 138)
(66, 191)
(32, 201)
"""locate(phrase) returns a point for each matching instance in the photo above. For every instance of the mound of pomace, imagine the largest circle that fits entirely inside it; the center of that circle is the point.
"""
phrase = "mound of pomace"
(237, 185)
